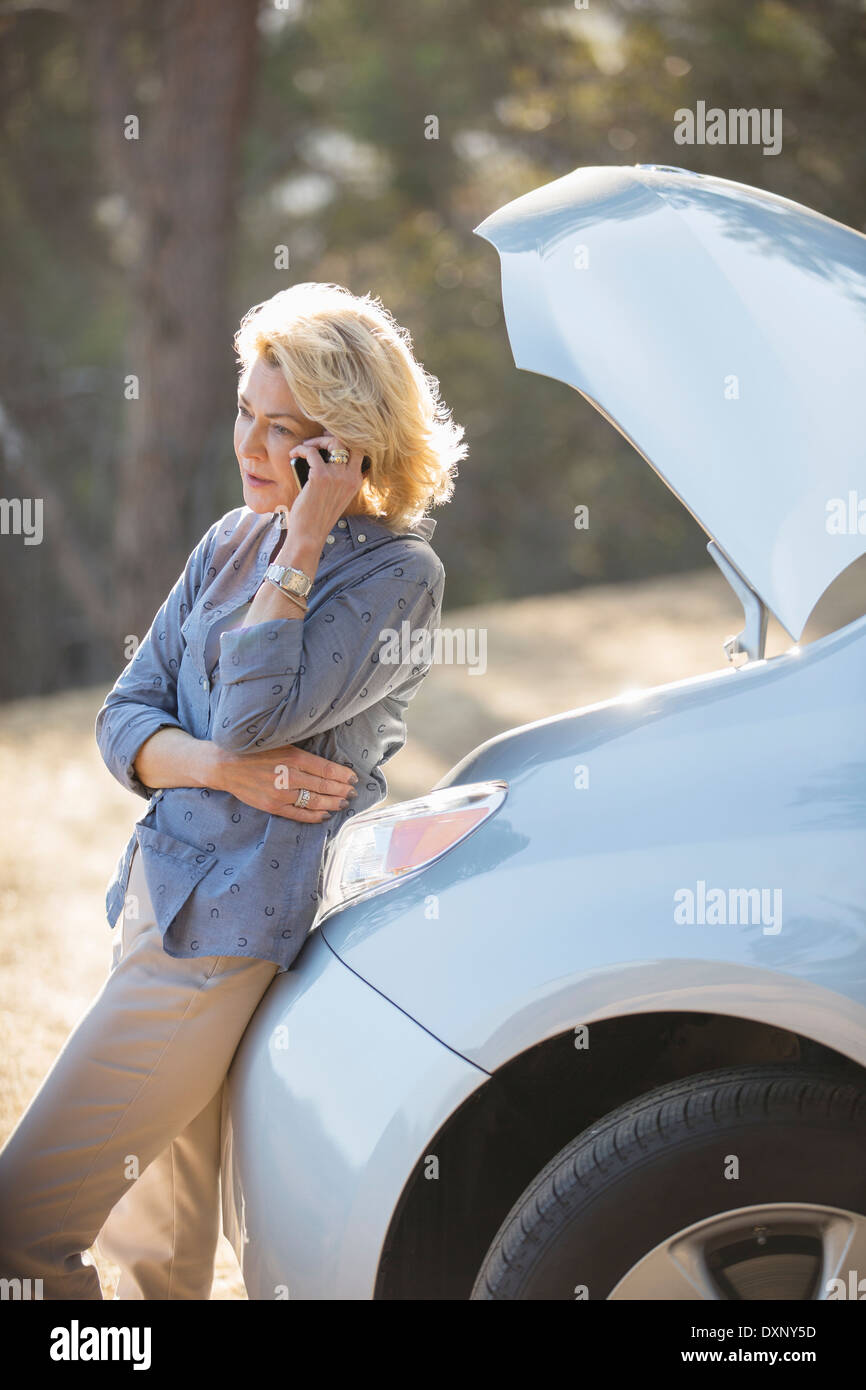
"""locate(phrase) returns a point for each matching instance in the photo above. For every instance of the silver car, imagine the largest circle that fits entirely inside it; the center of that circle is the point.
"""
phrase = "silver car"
(588, 1021)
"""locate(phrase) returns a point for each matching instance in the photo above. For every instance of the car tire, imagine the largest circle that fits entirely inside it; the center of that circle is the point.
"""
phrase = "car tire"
(748, 1182)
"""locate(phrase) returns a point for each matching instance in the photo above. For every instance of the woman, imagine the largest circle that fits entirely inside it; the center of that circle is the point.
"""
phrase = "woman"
(255, 715)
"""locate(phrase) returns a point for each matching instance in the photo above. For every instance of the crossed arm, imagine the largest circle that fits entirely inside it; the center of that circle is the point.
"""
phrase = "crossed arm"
(283, 678)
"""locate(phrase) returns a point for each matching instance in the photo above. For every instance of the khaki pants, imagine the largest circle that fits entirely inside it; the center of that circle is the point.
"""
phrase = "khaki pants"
(135, 1090)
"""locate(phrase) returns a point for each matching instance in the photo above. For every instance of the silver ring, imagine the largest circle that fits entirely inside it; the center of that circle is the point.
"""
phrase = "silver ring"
(339, 456)
(303, 797)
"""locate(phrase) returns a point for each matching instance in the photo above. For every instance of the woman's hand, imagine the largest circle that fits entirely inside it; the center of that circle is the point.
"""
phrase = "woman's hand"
(270, 781)
(324, 498)
(328, 491)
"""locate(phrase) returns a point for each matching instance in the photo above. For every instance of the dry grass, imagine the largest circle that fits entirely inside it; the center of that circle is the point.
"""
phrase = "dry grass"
(67, 820)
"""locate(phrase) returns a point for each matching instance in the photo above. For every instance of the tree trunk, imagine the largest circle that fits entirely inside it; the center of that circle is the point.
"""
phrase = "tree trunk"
(190, 94)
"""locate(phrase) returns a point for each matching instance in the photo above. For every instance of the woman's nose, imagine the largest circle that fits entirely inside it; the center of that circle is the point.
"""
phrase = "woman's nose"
(250, 441)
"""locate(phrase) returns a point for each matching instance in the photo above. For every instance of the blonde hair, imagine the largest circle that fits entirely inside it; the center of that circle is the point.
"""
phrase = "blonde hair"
(350, 365)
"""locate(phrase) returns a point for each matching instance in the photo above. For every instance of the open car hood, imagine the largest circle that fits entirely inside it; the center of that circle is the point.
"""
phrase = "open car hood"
(722, 330)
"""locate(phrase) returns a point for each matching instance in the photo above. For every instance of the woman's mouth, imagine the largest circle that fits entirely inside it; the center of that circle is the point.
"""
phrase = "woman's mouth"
(255, 481)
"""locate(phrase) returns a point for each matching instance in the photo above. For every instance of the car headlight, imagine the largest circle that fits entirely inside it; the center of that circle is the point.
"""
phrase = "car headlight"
(378, 849)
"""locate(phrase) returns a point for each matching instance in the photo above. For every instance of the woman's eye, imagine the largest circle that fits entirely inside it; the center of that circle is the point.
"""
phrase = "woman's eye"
(280, 429)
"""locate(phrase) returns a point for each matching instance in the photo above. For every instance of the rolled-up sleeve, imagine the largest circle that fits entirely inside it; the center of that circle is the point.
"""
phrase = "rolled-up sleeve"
(287, 679)
(144, 696)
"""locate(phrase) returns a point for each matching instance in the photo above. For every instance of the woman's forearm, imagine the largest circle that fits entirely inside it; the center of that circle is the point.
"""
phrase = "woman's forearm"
(173, 758)
(299, 554)
(264, 780)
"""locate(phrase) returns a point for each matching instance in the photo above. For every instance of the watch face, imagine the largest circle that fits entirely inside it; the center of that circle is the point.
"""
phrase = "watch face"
(290, 581)
(295, 582)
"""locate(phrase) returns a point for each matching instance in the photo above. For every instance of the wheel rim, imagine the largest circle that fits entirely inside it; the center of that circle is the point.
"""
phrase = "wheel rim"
(781, 1250)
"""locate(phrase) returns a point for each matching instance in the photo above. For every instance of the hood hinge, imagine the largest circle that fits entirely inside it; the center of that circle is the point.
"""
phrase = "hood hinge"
(752, 641)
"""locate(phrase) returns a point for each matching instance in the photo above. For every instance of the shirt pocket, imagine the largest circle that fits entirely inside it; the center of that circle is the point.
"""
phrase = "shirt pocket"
(172, 869)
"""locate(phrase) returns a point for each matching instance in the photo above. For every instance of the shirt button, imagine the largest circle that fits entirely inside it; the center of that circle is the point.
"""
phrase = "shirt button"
(204, 682)
(330, 540)
(361, 536)
(342, 522)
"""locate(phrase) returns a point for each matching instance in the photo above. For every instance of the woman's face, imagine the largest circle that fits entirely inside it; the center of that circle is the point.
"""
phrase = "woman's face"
(268, 429)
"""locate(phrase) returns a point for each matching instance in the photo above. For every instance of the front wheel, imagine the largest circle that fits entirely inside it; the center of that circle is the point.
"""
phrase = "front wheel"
(746, 1183)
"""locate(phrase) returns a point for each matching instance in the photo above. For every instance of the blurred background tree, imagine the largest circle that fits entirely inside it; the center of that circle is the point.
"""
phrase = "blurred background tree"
(368, 140)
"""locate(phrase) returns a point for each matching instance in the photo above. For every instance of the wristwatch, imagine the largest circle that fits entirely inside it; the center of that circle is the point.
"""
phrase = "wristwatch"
(292, 582)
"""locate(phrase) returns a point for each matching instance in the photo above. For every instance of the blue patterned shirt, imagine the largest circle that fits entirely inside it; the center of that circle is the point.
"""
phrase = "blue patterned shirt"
(224, 877)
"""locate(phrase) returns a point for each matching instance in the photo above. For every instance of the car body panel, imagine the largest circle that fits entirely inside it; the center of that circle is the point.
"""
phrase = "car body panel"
(722, 330)
(561, 907)
(330, 1101)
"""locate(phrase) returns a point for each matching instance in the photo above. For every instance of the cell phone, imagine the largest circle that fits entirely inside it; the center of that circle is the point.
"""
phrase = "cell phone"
(301, 468)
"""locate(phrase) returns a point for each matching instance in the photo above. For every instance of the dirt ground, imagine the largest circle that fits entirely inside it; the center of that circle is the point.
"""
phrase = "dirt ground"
(66, 820)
